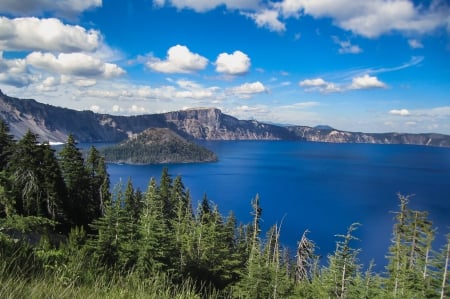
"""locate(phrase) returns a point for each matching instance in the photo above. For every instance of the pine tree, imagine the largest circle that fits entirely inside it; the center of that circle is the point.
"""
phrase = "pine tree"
(164, 191)
(440, 277)
(79, 207)
(26, 176)
(6, 144)
(115, 242)
(54, 187)
(343, 265)
(409, 259)
(99, 181)
(154, 246)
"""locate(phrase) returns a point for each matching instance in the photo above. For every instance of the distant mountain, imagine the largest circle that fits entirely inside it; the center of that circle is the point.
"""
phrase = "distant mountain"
(55, 123)
(323, 127)
(155, 146)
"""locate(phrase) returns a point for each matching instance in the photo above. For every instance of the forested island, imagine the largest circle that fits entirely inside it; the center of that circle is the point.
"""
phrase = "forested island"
(64, 234)
(156, 146)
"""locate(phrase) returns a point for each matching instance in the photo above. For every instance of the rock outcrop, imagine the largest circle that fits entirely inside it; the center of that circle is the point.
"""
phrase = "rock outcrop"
(55, 124)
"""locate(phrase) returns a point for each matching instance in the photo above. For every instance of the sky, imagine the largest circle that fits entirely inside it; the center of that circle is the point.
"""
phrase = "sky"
(355, 65)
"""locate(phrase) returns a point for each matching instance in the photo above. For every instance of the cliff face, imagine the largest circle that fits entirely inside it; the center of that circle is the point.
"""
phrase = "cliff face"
(55, 124)
(336, 136)
(212, 124)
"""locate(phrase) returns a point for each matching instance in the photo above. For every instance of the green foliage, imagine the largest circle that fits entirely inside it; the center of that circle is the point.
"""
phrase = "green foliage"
(155, 146)
(62, 234)
(410, 262)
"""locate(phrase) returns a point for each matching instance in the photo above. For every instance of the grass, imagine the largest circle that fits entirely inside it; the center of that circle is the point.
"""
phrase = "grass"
(15, 285)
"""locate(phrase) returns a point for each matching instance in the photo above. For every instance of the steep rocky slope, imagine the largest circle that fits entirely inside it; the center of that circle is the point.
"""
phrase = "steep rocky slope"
(55, 123)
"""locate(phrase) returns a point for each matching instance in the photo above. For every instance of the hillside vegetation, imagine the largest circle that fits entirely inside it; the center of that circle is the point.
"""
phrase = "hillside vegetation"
(64, 234)
(157, 145)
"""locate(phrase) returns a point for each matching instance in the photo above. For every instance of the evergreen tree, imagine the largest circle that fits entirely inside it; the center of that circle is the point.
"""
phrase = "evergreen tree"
(99, 181)
(440, 277)
(79, 206)
(154, 245)
(26, 176)
(409, 255)
(164, 191)
(54, 187)
(343, 266)
(6, 144)
(183, 226)
(114, 244)
(132, 202)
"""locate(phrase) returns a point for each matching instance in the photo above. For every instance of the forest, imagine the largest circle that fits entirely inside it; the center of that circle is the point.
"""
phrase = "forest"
(155, 146)
(66, 233)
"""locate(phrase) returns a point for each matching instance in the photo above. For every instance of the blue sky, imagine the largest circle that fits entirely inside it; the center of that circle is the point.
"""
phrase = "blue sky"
(357, 65)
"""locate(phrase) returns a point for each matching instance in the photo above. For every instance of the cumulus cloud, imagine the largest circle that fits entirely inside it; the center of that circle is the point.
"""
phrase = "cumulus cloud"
(373, 18)
(46, 35)
(360, 82)
(401, 112)
(319, 84)
(179, 60)
(65, 8)
(366, 82)
(15, 72)
(267, 18)
(246, 90)
(76, 64)
(346, 47)
(237, 63)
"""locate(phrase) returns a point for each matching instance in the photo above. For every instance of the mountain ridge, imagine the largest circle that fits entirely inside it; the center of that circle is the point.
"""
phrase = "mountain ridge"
(54, 124)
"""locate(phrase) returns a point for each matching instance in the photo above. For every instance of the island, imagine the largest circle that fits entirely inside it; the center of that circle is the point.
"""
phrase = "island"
(157, 146)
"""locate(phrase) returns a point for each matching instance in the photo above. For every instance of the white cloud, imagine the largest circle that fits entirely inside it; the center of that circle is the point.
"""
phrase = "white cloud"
(415, 44)
(95, 108)
(179, 60)
(360, 82)
(371, 18)
(66, 8)
(246, 90)
(318, 84)
(237, 63)
(15, 72)
(401, 112)
(267, 18)
(205, 5)
(25, 34)
(366, 82)
(135, 109)
(346, 47)
(193, 90)
(76, 64)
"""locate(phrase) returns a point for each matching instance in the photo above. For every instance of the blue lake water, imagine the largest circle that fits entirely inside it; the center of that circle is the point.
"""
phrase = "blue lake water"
(317, 186)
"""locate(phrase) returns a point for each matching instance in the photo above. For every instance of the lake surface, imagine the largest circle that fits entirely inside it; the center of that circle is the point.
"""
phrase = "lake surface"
(317, 186)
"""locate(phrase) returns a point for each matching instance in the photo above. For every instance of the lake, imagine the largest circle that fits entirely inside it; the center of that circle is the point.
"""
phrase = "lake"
(321, 187)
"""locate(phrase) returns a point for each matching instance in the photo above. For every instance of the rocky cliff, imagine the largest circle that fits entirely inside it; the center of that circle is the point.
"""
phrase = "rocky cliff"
(336, 136)
(56, 123)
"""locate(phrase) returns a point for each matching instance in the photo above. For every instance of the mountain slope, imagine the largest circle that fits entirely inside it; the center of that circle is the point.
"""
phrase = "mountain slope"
(157, 145)
(56, 123)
